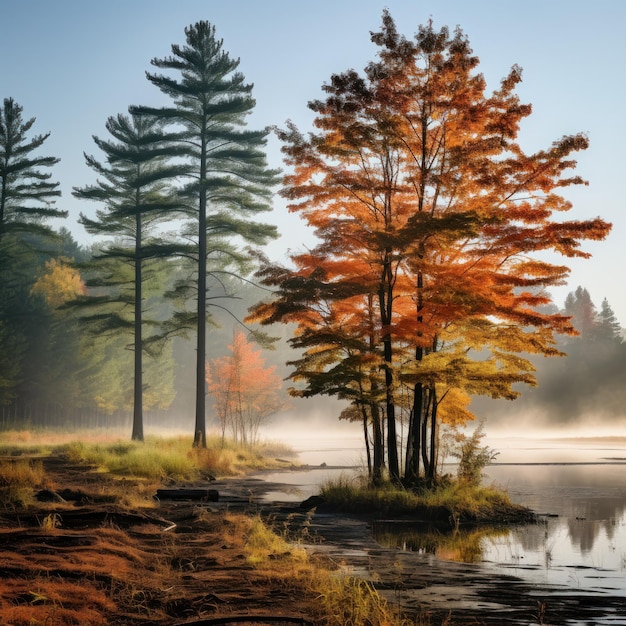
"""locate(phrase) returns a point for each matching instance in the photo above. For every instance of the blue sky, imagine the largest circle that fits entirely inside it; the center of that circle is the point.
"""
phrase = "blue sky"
(73, 63)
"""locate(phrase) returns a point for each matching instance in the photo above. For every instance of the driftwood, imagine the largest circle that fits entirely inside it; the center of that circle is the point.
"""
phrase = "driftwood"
(206, 495)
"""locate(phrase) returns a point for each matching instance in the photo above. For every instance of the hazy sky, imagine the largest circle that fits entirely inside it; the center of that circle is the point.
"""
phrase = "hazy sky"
(73, 63)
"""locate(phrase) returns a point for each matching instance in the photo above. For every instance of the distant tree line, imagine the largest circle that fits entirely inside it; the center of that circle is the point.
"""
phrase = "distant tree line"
(426, 287)
(587, 384)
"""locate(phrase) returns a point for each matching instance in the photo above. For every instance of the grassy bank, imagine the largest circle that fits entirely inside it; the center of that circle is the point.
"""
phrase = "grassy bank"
(449, 503)
(149, 463)
(157, 458)
(275, 565)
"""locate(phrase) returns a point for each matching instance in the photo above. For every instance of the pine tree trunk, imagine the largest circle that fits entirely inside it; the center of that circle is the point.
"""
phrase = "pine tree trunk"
(137, 434)
(199, 439)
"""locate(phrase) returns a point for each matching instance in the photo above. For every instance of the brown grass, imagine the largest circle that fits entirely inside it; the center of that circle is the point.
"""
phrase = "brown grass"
(128, 569)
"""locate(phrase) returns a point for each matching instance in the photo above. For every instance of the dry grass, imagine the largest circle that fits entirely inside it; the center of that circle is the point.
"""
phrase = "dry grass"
(155, 458)
(18, 478)
(51, 574)
(85, 578)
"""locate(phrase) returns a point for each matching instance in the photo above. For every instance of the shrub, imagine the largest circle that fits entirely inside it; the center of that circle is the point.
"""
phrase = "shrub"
(473, 458)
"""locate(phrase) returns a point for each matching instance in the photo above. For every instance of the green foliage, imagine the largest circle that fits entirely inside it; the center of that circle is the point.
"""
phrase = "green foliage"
(37, 366)
(228, 181)
(473, 458)
(27, 194)
(131, 186)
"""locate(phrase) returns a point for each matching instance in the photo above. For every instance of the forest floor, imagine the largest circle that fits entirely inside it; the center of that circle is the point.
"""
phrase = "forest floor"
(89, 560)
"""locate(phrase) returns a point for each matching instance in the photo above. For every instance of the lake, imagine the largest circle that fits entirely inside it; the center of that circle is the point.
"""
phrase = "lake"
(578, 550)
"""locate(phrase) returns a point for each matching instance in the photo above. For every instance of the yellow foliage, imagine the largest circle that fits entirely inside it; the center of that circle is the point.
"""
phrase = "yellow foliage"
(59, 283)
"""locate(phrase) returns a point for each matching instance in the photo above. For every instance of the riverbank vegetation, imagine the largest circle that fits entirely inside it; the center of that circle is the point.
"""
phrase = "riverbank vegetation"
(155, 460)
(448, 502)
(126, 550)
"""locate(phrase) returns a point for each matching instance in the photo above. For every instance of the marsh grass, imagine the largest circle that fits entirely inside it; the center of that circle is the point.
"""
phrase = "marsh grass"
(468, 501)
(171, 458)
(18, 479)
(451, 501)
(340, 599)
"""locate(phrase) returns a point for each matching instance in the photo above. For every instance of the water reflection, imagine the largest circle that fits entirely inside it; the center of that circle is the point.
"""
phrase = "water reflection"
(586, 554)
(579, 486)
(461, 546)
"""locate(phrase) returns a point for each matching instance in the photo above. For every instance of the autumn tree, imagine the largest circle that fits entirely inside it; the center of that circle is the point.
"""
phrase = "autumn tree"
(245, 390)
(59, 283)
(132, 188)
(228, 180)
(426, 287)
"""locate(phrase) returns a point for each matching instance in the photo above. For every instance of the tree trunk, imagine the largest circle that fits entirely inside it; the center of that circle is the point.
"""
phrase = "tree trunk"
(386, 309)
(199, 439)
(378, 444)
(368, 452)
(137, 434)
(414, 439)
(433, 438)
(424, 441)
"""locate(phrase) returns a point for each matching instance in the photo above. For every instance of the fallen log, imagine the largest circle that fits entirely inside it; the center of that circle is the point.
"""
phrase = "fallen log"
(206, 495)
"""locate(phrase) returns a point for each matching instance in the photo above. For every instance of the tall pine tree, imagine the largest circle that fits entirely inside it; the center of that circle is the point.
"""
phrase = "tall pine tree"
(132, 188)
(27, 202)
(228, 182)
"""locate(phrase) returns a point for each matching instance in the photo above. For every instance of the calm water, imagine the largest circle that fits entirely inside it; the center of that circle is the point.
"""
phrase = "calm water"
(579, 484)
(582, 486)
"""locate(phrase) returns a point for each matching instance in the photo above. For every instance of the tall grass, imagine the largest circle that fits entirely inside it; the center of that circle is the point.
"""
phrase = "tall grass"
(18, 478)
(174, 458)
(459, 501)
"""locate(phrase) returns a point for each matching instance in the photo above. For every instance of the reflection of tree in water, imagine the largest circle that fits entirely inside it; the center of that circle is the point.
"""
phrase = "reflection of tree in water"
(591, 517)
(583, 533)
(599, 513)
(537, 538)
(462, 546)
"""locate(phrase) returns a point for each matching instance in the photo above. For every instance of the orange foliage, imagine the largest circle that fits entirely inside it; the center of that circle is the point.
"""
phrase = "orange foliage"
(244, 388)
(429, 216)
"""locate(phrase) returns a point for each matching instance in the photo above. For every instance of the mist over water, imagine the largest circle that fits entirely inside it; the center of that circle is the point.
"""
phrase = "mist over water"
(316, 442)
(577, 483)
